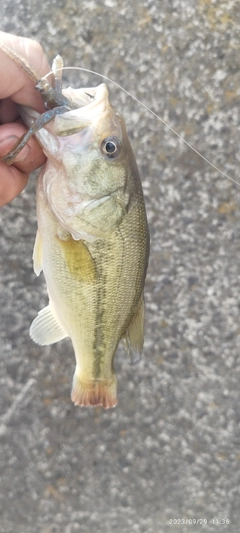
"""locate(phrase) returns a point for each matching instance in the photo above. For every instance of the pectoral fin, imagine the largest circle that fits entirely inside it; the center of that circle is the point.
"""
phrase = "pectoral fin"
(45, 329)
(133, 338)
(37, 254)
(78, 260)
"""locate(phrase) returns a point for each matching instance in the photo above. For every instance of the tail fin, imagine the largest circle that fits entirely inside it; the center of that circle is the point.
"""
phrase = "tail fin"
(93, 393)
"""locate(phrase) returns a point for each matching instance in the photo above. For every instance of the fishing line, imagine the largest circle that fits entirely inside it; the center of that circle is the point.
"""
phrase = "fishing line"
(152, 112)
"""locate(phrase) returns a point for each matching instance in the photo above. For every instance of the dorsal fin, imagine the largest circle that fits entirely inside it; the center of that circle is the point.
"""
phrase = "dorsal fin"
(133, 338)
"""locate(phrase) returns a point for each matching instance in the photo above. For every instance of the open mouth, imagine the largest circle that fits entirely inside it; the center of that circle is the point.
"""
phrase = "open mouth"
(92, 103)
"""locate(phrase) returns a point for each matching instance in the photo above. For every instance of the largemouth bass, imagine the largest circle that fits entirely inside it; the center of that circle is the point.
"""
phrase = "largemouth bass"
(92, 241)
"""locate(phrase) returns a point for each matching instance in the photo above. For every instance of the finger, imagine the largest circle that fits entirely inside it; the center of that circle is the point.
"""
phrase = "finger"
(30, 158)
(16, 83)
(8, 111)
(12, 182)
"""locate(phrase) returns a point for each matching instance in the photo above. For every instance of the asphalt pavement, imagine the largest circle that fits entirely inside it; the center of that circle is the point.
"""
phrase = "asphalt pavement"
(167, 458)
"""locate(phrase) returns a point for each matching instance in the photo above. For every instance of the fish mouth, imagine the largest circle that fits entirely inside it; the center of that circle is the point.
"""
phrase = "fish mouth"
(76, 129)
(93, 102)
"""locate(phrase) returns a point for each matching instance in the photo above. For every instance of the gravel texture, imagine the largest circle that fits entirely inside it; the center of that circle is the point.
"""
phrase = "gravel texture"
(171, 449)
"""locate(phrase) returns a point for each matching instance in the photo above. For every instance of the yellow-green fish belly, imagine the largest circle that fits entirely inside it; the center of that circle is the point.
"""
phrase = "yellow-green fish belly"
(94, 290)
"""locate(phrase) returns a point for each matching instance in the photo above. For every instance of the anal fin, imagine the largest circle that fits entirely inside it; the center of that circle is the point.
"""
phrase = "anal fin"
(134, 336)
(45, 328)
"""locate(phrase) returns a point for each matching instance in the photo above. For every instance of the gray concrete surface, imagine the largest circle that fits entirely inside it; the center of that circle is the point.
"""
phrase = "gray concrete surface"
(171, 449)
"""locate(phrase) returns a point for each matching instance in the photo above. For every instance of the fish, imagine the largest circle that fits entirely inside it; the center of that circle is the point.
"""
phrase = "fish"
(92, 241)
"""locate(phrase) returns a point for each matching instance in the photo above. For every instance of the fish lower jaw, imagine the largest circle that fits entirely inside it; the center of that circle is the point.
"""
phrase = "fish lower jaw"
(94, 393)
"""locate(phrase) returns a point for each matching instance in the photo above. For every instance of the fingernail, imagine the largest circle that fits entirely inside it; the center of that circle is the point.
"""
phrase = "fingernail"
(6, 145)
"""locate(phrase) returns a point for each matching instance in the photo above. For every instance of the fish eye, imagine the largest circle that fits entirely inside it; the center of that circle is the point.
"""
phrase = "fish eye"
(111, 147)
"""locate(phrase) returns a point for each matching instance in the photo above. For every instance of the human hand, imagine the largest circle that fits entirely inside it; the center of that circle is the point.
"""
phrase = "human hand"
(17, 88)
